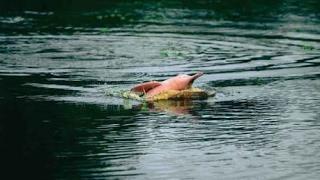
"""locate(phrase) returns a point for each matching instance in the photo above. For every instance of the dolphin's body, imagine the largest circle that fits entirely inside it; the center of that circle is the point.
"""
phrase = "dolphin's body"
(178, 83)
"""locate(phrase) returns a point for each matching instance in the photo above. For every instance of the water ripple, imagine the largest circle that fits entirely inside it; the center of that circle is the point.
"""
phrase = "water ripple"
(265, 114)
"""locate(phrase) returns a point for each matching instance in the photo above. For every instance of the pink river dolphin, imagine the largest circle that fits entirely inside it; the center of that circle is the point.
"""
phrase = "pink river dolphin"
(179, 82)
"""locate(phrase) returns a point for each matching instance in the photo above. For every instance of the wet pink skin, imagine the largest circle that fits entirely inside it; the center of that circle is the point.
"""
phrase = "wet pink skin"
(179, 82)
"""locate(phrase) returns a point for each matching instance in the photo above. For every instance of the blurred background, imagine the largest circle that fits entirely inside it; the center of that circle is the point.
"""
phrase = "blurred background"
(69, 16)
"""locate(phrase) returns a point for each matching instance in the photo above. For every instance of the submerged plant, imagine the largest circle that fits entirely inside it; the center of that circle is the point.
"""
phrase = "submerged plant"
(173, 51)
(308, 47)
(104, 30)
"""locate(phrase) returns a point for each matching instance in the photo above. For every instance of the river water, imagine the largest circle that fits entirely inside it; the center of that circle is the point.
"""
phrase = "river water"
(60, 61)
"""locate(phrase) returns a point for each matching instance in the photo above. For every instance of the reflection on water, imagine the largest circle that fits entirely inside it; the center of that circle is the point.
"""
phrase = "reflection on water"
(175, 107)
(59, 59)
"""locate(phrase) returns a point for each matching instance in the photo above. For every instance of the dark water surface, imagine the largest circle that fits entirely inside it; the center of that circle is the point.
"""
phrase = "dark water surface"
(59, 59)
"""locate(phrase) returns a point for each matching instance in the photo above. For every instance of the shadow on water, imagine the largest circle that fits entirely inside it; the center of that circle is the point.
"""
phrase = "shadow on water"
(54, 141)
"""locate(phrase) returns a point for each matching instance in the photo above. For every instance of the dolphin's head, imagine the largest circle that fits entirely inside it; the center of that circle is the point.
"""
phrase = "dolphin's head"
(186, 81)
(196, 76)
